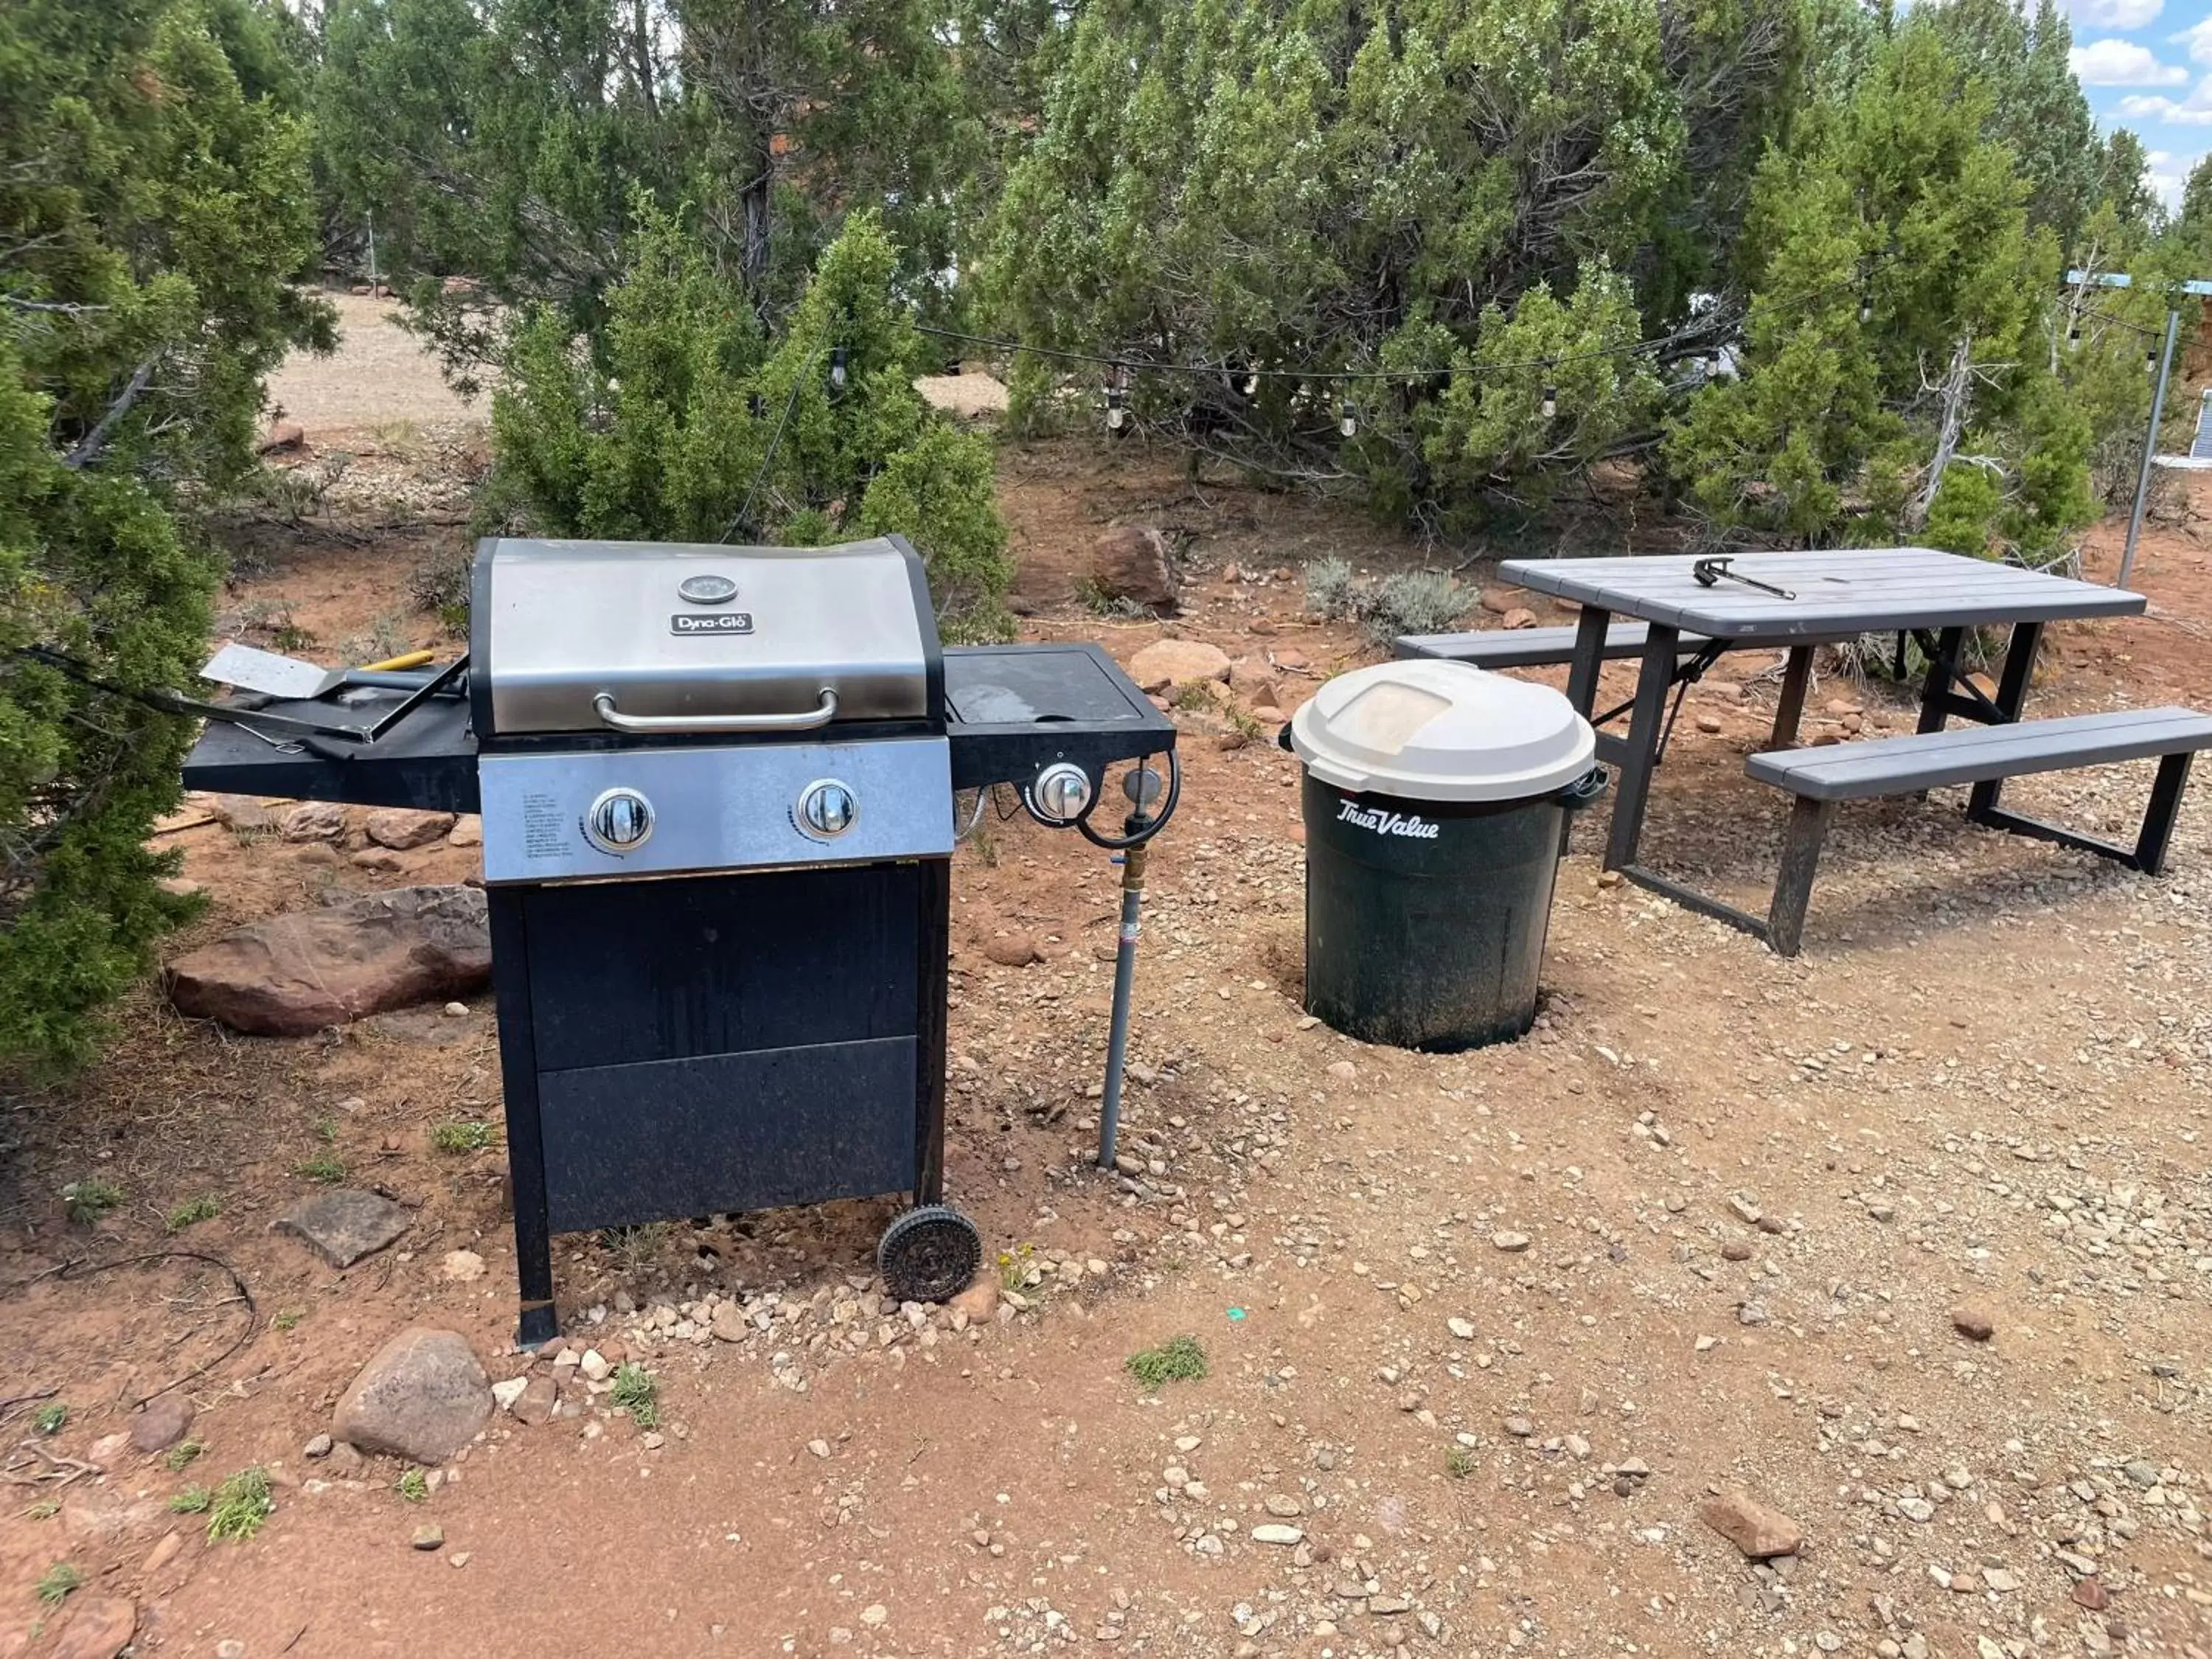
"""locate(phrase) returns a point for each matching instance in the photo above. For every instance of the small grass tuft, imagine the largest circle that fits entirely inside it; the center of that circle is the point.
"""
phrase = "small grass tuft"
(50, 1417)
(1458, 1463)
(286, 1318)
(1329, 588)
(193, 1211)
(242, 1504)
(89, 1200)
(325, 1168)
(1014, 1266)
(181, 1455)
(461, 1135)
(192, 1500)
(57, 1582)
(1194, 697)
(326, 1131)
(1179, 1359)
(637, 1391)
(45, 1510)
(413, 1485)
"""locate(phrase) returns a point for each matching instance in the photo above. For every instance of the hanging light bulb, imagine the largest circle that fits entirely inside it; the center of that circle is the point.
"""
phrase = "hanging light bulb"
(1551, 401)
(837, 374)
(2150, 361)
(2074, 334)
(1117, 405)
(1347, 418)
(1866, 311)
(756, 405)
(1251, 385)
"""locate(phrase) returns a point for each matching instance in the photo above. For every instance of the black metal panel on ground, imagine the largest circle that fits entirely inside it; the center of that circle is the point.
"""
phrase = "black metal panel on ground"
(1014, 709)
(626, 1144)
(621, 972)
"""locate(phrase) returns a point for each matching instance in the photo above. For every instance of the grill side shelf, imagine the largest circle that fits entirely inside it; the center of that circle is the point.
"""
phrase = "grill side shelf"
(427, 762)
(1013, 709)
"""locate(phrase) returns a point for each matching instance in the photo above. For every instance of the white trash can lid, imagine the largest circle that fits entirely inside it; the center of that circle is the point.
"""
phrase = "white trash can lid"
(1430, 730)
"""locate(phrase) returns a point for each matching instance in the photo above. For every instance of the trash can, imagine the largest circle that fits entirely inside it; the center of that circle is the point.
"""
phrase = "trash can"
(1436, 796)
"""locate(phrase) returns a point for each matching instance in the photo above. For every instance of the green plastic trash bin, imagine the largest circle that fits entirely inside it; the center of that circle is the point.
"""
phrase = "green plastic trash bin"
(1436, 796)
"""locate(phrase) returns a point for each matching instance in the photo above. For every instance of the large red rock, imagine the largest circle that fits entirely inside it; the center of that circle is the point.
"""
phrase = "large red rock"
(293, 974)
(1131, 562)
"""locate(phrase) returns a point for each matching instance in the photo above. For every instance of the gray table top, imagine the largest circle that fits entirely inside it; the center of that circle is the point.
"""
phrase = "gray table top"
(1839, 590)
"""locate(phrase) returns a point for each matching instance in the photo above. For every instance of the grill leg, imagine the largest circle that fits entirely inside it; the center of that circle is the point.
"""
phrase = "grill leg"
(540, 1320)
(1801, 861)
(2166, 792)
(933, 968)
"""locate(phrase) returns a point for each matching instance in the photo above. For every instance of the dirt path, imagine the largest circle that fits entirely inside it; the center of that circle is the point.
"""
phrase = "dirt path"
(1482, 1331)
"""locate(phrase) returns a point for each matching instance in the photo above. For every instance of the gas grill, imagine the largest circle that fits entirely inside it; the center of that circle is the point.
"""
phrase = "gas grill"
(717, 786)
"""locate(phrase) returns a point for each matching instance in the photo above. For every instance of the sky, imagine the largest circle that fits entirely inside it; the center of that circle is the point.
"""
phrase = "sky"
(2146, 64)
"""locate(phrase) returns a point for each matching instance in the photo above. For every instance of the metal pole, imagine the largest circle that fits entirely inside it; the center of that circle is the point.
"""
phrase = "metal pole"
(1125, 973)
(2150, 449)
(372, 250)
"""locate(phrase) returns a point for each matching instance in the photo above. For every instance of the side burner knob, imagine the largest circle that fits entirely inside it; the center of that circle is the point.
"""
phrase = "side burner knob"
(1059, 793)
(620, 821)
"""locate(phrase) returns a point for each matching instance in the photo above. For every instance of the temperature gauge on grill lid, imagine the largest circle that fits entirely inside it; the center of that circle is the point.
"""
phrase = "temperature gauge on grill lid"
(826, 809)
(619, 821)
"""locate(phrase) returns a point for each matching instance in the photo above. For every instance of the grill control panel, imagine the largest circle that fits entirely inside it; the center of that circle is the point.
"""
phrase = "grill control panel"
(649, 810)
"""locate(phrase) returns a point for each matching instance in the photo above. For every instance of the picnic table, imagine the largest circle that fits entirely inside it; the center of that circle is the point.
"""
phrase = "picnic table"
(1795, 602)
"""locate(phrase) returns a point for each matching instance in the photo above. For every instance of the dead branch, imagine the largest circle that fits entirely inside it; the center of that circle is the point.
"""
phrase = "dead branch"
(87, 449)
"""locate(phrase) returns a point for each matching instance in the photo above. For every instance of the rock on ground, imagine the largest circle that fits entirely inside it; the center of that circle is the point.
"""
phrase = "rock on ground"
(1011, 949)
(1165, 664)
(295, 975)
(313, 820)
(537, 1402)
(422, 1396)
(99, 1628)
(343, 1224)
(1759, 1530)
(1132, 563)
(162, 1423)
(1974, 1320)
(403, 830)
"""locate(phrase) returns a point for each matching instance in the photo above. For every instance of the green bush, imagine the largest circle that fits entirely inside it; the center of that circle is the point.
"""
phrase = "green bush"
(682, 420)
(155, 205)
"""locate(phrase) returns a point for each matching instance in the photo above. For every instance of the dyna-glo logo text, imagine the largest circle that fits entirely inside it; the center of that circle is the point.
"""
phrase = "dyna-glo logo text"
(1387, 823)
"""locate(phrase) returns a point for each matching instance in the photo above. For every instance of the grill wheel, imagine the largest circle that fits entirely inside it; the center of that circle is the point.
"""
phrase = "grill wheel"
(929, 1254)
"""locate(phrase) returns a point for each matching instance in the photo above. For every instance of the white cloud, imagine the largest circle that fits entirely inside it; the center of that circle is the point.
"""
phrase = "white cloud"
(2113, 13)
(2198, 39)
(2123, 64)
(2193, 111)
(2168, 173)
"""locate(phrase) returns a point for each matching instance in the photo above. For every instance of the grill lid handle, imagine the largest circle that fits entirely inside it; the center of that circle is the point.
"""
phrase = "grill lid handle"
(804, 720)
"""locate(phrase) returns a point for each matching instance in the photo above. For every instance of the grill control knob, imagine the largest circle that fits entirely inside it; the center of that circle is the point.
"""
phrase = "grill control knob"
(826, 809)
(620, 821)
(1059, 793)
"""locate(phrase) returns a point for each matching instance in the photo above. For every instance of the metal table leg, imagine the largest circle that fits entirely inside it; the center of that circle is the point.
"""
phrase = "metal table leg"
(1641, 751)
(2011, 696)
(1589, 660)
(1790, 712)
(1936, 694)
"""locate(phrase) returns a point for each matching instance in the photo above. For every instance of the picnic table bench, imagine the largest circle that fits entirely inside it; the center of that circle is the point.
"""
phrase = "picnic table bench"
(1676, 622)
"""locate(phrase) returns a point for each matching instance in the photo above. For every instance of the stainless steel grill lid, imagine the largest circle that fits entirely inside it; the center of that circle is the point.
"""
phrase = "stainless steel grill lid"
(651, 639)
